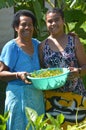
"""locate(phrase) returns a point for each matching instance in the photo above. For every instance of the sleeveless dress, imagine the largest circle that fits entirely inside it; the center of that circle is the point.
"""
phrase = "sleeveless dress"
(65, 59)
(70, 97)
(18, 94)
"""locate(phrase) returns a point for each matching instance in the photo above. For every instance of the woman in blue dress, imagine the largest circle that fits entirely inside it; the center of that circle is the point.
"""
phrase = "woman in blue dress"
(19, 57)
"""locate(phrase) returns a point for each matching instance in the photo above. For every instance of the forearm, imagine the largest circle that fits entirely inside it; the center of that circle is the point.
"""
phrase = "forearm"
(77, 72)
(82, 70)
(7, 76)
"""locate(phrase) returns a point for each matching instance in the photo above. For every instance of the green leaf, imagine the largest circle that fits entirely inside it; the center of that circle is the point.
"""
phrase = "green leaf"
(2, 119)
(41, 122)
(51, 118)
(3, 127)
(38, 13)
(31, 114)
(6, 115)
(60, 118)
(39, 119)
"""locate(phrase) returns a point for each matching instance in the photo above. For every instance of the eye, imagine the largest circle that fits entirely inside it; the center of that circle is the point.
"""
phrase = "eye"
(56, 19)
(50, 21)
(26, 24)
(23, 24)
(30, 25)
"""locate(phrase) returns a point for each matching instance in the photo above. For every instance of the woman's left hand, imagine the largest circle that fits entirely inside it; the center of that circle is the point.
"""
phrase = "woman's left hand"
(74, 72)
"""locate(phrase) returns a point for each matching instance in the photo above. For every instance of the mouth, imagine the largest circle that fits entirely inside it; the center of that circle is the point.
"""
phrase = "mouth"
(27, 32)
(54, 28)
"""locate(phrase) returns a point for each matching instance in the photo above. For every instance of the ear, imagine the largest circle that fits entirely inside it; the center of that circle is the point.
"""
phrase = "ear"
(64, 20)
(16, 28)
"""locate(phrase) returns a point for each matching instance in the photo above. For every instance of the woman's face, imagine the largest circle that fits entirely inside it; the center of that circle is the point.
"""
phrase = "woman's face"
(55, 23)
(25, 28)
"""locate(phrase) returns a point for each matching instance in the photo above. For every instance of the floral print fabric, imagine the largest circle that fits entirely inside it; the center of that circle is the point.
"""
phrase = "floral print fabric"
(66, 58)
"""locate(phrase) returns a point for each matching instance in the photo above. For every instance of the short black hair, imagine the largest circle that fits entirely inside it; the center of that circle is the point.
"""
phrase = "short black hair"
(16, 19)
(56, 10)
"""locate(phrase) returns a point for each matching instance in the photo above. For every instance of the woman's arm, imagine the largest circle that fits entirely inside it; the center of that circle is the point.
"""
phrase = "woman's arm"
(80, 52)
(81, 58)
(6, 75)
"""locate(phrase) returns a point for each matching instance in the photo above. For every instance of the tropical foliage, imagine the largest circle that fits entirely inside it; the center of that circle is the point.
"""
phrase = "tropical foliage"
(37, 122)
(50, 123)
(3, 120)
(75, 14)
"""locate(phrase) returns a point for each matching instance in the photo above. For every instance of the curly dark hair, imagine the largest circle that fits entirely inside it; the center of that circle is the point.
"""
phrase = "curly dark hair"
(16, 19)
(56, 10)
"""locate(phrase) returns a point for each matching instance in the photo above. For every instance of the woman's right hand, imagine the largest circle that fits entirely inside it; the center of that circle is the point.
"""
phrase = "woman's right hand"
(23, 77)
(6, 75)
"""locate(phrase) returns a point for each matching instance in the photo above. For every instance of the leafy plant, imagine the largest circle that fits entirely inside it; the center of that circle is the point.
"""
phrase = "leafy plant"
(41, 122)
(78, 126)
(75, 14)
(3, 120)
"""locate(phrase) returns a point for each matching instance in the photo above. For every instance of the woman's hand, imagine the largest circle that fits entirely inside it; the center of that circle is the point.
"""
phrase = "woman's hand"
(74, 72)
(23, 77)
(73, 34)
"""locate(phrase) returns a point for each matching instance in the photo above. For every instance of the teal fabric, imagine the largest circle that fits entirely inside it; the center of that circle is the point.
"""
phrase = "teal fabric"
(18, 94)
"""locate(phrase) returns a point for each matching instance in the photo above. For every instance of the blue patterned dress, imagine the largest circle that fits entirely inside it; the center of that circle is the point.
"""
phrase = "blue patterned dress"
(18, 94)
(61, 59)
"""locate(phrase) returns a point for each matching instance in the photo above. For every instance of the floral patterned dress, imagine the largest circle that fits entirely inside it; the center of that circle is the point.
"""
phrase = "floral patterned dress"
(64, 58)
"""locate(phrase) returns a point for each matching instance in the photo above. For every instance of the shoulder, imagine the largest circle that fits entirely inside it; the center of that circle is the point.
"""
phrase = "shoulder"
(42, 44)
(35, 41)
(77, 42)
(75, 37)
(10, 47)
(10, 44)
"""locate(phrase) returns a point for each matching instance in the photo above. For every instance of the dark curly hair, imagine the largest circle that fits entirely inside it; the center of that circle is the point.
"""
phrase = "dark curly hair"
(56, 10)
(16, 19)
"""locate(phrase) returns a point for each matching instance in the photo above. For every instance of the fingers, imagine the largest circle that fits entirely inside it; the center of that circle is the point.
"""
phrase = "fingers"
(23, 77)
(71, 76)
(27, 81)
(73, 73)
(72, 34)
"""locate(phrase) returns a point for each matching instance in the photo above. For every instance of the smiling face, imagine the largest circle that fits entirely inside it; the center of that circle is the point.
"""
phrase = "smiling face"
(55, 23)
(25, 28)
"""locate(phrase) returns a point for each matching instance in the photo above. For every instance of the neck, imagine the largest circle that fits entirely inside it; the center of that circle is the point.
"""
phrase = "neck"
(59, 36)
(23, 40)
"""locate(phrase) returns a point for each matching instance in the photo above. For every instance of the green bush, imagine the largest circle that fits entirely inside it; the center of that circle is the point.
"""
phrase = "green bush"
(3, 120)
(41, 123)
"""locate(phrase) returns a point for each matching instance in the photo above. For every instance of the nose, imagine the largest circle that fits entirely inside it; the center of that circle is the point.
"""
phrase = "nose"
(29, 26)
(53, 22)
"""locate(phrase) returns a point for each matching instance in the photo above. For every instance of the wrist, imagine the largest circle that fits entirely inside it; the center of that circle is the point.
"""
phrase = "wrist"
(17, 75)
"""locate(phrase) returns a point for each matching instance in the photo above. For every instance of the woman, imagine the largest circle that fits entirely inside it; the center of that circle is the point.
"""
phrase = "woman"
(19, 57)
(62, 50)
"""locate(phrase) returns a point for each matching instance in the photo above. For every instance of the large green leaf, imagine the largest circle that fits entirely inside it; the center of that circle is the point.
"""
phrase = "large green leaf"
(74, 15)
(39, 15)
(31, 114)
